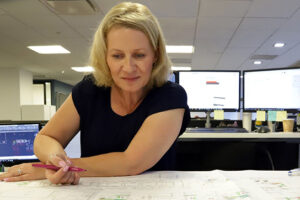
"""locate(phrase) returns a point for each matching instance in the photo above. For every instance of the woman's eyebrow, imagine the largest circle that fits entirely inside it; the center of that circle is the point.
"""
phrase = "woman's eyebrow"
(122, 50)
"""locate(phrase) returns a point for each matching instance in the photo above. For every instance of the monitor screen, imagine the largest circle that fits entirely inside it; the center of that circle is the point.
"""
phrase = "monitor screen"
(272, 89)
(171, 77)
(210, 90)
(16, 141)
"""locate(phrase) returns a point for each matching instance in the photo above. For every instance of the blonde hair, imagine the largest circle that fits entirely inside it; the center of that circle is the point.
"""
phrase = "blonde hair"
(135, 16)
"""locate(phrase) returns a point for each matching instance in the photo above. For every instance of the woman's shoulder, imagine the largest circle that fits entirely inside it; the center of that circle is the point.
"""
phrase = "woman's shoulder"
(88, 86)
(169, 89)
(167, 94)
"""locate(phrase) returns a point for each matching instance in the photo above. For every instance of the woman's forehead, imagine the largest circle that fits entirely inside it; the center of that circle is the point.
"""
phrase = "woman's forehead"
(123, 37)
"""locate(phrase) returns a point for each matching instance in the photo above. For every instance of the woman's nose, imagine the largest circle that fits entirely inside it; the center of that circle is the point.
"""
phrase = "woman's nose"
(129, 64)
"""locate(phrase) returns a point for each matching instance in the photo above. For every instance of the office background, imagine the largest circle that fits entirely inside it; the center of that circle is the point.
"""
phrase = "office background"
(226, 35)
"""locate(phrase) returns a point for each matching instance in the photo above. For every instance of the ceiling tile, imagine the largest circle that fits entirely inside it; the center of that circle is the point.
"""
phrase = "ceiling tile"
(178, 31)
(289, 58)
(214, 33)
(161, 8)
(232, 58)
(289, 38)
(228, 8)
(273, 8)
(203, 59)
(253, 32)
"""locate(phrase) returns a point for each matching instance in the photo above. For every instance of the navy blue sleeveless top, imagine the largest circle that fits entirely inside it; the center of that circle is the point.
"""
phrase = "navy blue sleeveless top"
(104, 131)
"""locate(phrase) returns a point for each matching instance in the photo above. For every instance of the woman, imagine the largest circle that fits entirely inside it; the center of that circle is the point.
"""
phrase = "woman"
(128, 113)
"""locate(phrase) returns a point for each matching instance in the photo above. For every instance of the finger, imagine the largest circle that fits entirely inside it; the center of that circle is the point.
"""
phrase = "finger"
(15, 178)
(5, 175)
(66, 178)
(61, 162)
(58, 161)
(70, 178)
(56, 177)
(76, 180)
(11, 172)
(69, 162)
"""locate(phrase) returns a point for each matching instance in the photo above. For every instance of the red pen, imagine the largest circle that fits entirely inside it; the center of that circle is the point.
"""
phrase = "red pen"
(72, 169)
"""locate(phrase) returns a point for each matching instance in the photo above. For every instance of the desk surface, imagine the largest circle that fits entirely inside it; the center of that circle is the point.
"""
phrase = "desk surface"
(163, 185)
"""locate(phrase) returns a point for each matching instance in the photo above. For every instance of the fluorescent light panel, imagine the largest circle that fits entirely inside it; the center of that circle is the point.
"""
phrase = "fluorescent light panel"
(83, 69)
(181, 68)
(279, 44)
(50, 49)
(179, 49)
(257, 62)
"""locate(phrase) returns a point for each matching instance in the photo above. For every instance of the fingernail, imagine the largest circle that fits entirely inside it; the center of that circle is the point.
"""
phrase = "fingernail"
(66, 168)
(69, 162)
(62, 163)
(6, 179)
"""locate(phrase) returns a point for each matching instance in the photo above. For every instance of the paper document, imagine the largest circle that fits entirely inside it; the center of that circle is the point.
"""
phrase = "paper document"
(164, 185)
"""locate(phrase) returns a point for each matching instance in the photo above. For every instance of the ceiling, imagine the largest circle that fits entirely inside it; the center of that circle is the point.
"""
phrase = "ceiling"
(227, 34)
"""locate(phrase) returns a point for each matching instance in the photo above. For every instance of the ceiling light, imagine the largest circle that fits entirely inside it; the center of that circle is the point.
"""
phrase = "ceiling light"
(181, 68)
(279, 44)
(179, 49)
(50, 49)
(83, 69)
(257, 62)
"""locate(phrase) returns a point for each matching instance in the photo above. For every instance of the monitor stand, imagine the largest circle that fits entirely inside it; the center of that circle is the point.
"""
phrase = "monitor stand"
(208, 124)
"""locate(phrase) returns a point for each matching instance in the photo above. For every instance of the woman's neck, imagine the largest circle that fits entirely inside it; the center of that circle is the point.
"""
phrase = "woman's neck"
(123, 102)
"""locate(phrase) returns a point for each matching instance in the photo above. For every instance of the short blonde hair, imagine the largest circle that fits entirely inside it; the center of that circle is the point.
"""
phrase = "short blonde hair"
(135, 16)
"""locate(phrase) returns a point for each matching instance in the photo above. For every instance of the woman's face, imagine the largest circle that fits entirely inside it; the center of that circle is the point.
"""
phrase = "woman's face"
(130, 58)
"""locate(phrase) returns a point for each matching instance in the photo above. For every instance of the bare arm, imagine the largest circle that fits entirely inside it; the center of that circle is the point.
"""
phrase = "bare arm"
(151, 142)
(155, 137)
(57, 133)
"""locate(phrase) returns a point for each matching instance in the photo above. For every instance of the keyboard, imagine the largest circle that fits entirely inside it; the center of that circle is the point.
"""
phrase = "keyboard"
(216, 130)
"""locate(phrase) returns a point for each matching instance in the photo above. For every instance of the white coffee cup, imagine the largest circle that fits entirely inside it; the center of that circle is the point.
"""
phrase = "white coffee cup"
(247, 121)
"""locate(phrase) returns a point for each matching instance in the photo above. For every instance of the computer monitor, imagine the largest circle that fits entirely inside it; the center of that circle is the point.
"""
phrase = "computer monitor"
(209, 90)
(16, 141)
(272, 89)
(172, 77)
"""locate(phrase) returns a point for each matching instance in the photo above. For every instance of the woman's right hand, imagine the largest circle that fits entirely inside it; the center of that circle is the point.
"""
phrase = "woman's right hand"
(62, 176)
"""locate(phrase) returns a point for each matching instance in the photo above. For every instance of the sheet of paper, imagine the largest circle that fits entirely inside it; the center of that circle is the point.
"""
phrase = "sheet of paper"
(261, 115)
(219, 114)
(281, 115)
(164, 185)
(267, 185)
(272, 115)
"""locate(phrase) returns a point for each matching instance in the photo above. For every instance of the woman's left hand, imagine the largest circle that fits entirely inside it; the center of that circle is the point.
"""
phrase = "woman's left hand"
(23, 172)
(62, 176)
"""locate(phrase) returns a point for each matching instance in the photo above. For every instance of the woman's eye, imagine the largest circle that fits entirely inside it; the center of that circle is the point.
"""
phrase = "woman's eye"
(140, 55)
(116, 56)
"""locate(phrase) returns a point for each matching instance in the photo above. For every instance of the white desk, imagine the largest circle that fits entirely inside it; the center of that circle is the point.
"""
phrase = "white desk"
(218, 185)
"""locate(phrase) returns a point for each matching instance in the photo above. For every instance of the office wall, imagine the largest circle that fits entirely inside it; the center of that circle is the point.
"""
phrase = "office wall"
(15, 89)
(10, 94)
(26, 87)
(38, 94)
(57, 89)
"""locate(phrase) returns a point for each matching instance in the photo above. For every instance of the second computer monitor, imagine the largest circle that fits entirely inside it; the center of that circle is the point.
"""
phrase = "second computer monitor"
(209, 90)
(272, 89)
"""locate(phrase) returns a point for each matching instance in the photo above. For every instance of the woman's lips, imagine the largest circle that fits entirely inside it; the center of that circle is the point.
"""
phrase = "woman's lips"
(130, 78)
